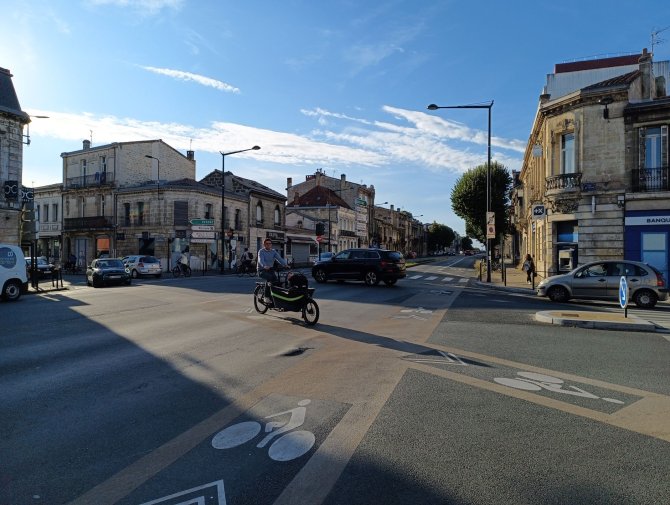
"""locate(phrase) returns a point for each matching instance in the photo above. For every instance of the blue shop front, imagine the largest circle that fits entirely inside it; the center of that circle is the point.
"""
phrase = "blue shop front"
(647, 238)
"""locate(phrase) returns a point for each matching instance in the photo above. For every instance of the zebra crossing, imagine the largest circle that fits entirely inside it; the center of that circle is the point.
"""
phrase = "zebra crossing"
(430, 277)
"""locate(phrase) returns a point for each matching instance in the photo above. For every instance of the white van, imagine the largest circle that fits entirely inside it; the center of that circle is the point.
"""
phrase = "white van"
(13, 274)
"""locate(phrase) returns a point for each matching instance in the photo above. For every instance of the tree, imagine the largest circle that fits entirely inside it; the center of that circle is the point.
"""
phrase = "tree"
(468, 199)
(466, 243)
(440, 237)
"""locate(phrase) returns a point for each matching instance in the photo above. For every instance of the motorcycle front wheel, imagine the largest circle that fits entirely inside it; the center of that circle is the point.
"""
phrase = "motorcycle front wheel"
(259, 304)
(310, 312)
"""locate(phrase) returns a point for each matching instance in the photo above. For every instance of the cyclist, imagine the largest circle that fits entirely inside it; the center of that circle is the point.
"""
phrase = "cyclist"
(265, 264)
(183, 260)
(247, 258)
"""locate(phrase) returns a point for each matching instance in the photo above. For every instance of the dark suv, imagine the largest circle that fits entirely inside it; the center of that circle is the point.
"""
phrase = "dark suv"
(369, 265)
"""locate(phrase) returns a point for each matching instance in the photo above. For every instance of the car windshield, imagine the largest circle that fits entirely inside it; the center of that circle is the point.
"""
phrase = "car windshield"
(110, 263)
(149, 259)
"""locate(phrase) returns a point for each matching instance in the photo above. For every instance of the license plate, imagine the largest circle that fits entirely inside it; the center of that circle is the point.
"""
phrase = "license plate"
(114, 276)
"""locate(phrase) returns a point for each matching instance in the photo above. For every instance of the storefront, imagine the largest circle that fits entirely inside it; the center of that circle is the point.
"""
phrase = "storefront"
(647, 238)
(299, 248)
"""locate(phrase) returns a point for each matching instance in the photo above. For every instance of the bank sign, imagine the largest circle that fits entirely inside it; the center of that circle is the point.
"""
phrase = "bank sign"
(647, 220)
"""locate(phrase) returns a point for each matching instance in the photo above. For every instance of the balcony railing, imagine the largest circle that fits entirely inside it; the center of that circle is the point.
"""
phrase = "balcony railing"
(650, 179)
(92, 180)
(564, 182)
(88, 223)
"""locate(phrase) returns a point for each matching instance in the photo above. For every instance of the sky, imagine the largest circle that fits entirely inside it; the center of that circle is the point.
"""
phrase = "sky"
(337, 85)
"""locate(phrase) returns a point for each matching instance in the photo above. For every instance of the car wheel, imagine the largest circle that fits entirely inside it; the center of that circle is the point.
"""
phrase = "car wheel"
(135, 274)
(11, 291)
(645, 299)
(158, 276)
(96, 283)
(320, 275)
(371, 278)
(558, 294)
(390, 282)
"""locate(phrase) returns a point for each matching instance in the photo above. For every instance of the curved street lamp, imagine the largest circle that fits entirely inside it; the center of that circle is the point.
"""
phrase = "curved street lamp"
(223, 201)
(488, 106)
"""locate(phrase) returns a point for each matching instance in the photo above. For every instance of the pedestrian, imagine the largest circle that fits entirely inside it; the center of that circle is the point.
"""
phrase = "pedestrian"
(529, 268)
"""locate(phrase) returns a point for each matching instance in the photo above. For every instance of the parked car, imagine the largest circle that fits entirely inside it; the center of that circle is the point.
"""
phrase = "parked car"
(143, 265)
(368, 265)
(105, 271)
(13, 276)
(44, 268)
(600, 280)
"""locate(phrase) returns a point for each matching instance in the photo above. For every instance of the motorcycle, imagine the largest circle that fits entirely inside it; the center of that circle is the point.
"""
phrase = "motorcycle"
(290, 293)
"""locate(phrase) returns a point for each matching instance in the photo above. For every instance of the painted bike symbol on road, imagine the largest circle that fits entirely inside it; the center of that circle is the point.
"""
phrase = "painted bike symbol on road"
(531, 381)
(286, 447)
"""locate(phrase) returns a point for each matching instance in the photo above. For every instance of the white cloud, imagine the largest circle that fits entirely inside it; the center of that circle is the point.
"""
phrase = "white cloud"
(188, 76)
(147, 6)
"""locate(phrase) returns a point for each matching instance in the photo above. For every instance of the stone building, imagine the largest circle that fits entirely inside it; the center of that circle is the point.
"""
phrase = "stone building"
(359, 197)
(588, 176)
(14, 196)
(49, 207)
(95, 222)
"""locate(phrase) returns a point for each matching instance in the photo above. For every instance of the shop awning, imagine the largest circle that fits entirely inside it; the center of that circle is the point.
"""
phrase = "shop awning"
(305, 239)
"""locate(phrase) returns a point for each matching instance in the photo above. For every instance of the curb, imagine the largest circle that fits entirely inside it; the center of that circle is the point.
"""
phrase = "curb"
(594, 320)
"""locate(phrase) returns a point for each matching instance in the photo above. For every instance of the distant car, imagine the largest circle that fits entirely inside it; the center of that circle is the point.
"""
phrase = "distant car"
(600, 280)
(368, 265)
(105, 271)
(140, 265)
(44, 268)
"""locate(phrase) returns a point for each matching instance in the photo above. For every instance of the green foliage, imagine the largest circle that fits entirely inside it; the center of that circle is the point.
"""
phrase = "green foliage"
(468, 199)
(466, 243)
(440, 237)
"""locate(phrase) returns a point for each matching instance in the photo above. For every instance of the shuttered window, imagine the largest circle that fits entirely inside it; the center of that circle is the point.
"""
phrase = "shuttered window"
(181, 213)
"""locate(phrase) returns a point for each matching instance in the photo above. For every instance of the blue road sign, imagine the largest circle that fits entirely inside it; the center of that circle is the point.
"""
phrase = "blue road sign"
(623, 292)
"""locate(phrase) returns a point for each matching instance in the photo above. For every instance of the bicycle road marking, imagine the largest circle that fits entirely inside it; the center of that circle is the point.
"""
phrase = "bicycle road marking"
(648, 415)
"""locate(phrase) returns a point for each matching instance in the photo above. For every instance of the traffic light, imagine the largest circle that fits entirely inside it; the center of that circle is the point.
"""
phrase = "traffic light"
(320, 229)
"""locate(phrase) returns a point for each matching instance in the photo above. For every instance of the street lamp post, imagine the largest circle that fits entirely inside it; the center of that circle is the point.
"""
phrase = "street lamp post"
(488, 106)
(223, 200)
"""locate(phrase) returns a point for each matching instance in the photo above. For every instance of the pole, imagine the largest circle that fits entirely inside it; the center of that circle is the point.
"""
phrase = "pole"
(223, 200)
(223, 212)
(488, 199)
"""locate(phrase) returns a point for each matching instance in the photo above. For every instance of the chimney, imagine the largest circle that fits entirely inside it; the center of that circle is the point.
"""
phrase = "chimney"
(289, 182)
(648, 82)
(190, 155)
(87, 144)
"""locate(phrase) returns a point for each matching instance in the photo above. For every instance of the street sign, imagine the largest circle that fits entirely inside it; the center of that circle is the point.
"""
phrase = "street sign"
(197, 227)
(623, 292)
(203, 234)
(202, 222)
(538, 211)
(319, 238)
(201, 240)
(490, 225)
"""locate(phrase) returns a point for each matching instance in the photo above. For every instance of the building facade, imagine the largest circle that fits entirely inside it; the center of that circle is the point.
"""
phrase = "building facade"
(588, 175)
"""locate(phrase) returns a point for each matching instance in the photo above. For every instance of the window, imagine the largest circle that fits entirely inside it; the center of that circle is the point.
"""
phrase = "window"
(181, 214)
(277, 216)
(208, 211)
(655, 250)
(654, 157)
(568, 153)
(238, 219)
(45, 217)
(126, 214)
(259, 213)
(140, 213)
(102, 205)
(54, 212)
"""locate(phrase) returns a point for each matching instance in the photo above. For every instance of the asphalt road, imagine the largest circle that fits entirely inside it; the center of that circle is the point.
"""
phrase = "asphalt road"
(436, 390)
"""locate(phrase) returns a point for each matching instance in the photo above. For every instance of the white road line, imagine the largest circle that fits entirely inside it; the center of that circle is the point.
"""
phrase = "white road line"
(431, 278)
(463, 280)
(447, 279)
(416, 277)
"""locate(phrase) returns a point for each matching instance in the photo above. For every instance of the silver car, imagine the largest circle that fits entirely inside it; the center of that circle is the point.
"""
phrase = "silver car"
(600, 280)
(140, 265)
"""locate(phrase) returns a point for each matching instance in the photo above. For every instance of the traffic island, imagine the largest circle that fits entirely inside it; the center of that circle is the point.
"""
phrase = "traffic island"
(597, 320)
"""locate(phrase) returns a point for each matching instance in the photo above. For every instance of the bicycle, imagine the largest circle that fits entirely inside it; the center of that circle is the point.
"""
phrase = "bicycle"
(180, 270)
(248, 269)
(287, 295)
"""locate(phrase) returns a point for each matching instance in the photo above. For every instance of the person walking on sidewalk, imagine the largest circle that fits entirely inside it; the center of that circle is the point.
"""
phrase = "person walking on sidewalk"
(529, 268)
